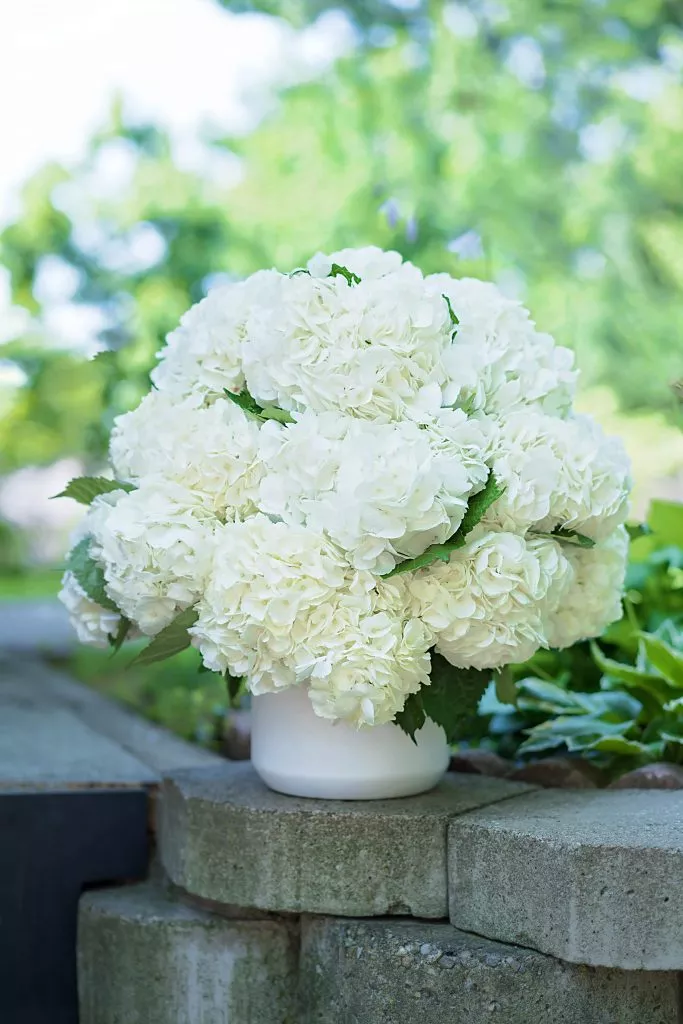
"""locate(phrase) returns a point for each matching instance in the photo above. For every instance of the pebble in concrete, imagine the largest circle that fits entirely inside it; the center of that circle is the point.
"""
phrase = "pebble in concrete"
(226, 837)
(145, 958)
(401, 972)
(590, 877)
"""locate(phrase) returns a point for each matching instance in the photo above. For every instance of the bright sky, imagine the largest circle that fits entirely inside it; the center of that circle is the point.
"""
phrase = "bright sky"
(182, 62)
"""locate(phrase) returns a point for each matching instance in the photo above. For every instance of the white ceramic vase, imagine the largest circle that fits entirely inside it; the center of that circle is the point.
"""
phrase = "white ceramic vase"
(296, 752)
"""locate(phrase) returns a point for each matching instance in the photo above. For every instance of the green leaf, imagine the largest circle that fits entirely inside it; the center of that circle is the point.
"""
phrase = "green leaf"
(548, 692)
(664, 658)
(412, 716)
(665, 518)
(620, 745)
(89, 574)
(636, 530)
(245, 401)
(451, 312)
(506, 690)
(85, 489)
(116, 642)
(631, 677)
(234, 685)
(172, 639)
(337, 270)
(452, 697)
(567, 537)
(477, 507)
(251, 406)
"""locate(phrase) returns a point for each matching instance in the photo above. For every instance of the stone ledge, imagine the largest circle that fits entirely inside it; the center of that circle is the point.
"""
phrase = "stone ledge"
(400, 972)
(225, 837)
(593, 878)
(145, 958)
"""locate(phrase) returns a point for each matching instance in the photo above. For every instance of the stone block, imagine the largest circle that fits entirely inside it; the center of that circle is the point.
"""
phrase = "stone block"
(145, 958)
(590, 877)
(224, 836)
(403, 972)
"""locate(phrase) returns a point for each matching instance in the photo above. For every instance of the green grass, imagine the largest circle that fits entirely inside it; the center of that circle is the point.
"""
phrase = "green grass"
(30, 583)
(172, 693)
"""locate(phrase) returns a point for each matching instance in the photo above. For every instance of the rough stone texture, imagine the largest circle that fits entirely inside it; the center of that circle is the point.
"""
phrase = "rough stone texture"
(591, 877)
(403, 972)
(226, 837)
(481, 762)
(145, 958)
(50, 748)
(56, 732)
(651, 776)
(558, 773)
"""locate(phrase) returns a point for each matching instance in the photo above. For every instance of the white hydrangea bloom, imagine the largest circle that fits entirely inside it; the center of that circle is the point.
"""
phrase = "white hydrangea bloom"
(93, 624)
(593, 600)
(378, 490)
(368, 263)
(279, 533)
(559, 473)
(155, 546)
(488, 604)
(211, 449)
(282, 606)
(499, 360)
(204, 354)
(364, 349)
(383, 657)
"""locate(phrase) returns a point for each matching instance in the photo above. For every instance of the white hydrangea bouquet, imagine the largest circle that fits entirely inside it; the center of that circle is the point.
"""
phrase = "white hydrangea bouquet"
(358, 480)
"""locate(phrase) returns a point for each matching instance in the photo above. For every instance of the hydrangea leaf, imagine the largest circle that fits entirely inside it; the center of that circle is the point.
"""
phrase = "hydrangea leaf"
(506, 690)
(477, 507)
(117, 641)
(89, 574)
(633, 678)
(455, 321)
(264, 412)
(172, 639)
(568, 536)
(234, 686)
(452, 697)
(85, 489)
(412, 716)
(337, 270)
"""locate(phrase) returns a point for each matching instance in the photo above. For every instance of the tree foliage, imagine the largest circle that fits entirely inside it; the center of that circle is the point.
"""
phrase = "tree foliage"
(534, 141)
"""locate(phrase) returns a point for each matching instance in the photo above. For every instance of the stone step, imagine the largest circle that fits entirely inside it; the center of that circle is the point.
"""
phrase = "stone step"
(225, 837)
(146, 958)
(403, 972)
(590, 877)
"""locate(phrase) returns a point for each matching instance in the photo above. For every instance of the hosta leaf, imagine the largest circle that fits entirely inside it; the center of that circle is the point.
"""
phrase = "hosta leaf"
(172, 639)
(664, 658)
(477, 507)
(620, 745)
(85, 489)
(548, 692)
(89, 574)
(633, 678)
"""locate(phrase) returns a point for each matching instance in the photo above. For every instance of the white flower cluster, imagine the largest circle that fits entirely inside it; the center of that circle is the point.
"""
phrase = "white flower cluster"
(311, 432)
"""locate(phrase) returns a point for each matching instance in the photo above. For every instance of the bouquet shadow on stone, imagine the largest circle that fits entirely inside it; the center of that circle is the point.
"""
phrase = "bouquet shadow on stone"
(359, 481)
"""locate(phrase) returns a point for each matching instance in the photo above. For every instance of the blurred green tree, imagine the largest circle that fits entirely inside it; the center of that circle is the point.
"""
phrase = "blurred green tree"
(535, 141)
